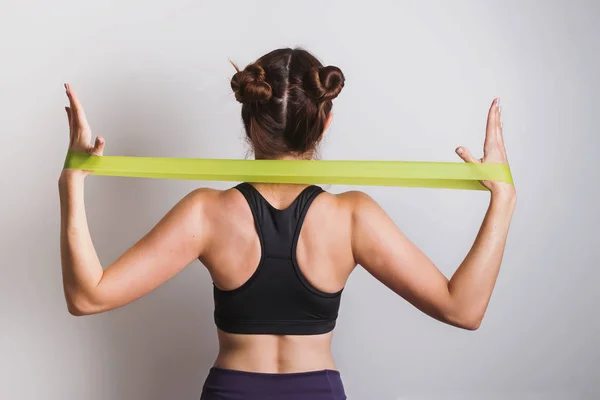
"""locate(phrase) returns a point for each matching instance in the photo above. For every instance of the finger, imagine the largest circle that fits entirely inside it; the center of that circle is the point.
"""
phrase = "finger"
(490, 129)
(71, 118)
(72, 108)
(500, 126)
(498, 121)
(500, 132)
(466, 155)
(491, 135)
(68, 110)
(68, 92)
(98, 148)
(76, 107)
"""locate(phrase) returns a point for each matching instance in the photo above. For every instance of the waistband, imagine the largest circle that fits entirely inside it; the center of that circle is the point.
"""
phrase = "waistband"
(274, 375)
(325, 384)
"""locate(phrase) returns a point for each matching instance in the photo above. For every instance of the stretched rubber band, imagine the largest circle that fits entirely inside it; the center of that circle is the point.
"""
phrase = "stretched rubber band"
(449, 175)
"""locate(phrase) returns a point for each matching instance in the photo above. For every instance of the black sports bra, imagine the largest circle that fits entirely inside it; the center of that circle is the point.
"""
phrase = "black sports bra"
(277, 298)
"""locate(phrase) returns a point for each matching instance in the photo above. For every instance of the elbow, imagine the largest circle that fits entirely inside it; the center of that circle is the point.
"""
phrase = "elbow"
(75, 310)
(471, 324)
(465, 314)
(467, 321)
(79, 305)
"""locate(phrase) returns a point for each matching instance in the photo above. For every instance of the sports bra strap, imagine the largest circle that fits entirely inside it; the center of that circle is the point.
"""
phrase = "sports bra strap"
(278, 229)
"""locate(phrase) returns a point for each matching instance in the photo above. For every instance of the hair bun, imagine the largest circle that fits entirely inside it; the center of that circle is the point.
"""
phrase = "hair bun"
(249, 85)
(326, 82)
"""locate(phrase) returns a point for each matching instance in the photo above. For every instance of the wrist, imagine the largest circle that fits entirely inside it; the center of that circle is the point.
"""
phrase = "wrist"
(69, 176)
(505, 194)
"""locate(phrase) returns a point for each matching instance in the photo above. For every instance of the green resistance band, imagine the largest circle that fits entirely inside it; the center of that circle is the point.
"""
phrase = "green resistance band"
(449, 175)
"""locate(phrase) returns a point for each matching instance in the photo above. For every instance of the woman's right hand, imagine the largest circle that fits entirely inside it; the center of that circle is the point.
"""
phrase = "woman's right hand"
(80, 133)
(493, 149)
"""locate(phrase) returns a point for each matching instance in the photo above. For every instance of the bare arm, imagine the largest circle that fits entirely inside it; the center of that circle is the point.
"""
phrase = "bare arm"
(381, 248)
(172, 244)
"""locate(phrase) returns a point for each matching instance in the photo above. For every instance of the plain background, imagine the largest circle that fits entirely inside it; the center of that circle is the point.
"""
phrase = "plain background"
(154, 76)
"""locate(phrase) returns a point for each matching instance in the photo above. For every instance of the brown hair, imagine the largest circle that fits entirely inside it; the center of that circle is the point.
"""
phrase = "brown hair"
(286, 99)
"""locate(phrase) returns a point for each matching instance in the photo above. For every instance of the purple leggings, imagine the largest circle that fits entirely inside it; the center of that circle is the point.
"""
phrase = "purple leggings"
(228, 384)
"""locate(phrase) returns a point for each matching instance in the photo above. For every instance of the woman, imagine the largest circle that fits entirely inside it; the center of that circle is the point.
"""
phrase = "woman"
(280, 254)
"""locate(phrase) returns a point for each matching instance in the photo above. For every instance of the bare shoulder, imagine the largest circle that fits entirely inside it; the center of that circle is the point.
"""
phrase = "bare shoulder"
(203, 194)
(210, 201)
(214, 202)
(221, 208)
(355, 200)
(194, 209)
(353, 197)
(340, 209)
(364, 212)
(198, 199)
(214, 197)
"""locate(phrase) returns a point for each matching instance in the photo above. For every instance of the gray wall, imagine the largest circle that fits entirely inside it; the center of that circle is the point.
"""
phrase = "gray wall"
(154, 79)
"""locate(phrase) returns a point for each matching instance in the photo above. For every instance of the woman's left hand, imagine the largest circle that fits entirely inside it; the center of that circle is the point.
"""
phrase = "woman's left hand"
(80, 133)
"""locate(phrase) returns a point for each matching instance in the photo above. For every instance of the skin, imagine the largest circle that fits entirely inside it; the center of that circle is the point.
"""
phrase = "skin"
(339, 233)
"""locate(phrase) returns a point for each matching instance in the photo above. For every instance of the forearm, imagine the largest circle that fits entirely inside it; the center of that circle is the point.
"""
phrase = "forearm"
(472, 284)
(81, 267)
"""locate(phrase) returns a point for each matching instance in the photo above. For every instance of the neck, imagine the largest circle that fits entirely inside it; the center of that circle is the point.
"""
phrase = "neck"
(288, 156)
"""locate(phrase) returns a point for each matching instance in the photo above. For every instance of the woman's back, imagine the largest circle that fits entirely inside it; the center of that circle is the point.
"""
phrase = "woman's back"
(280, 254)
(324, 258)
